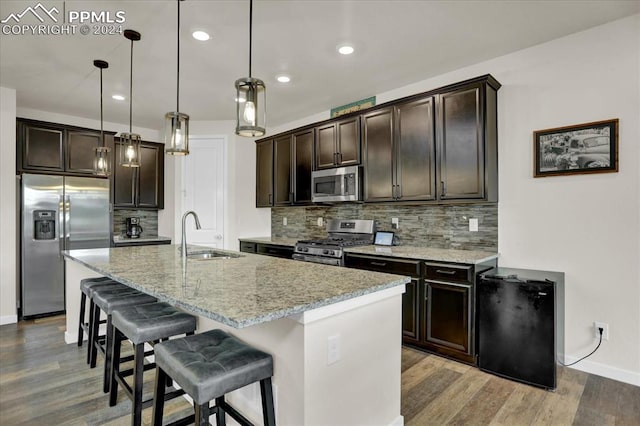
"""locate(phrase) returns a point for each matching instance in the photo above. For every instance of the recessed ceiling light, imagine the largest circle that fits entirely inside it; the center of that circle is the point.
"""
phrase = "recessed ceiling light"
(201, 35)
(118, 97)
(345, 49)
(283, 78)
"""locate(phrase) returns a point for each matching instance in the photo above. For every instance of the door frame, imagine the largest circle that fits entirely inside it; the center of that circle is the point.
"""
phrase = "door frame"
(179, 174)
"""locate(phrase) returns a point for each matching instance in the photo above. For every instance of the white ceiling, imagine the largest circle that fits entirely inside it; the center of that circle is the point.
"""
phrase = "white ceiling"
(397, 43)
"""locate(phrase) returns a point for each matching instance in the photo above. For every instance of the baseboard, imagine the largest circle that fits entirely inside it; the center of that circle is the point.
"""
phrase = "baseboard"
(8, 319)
(399, 421)
(604, 370)
(70, 338)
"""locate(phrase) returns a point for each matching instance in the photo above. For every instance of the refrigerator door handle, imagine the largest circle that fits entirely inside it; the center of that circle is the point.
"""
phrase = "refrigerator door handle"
(59, 224)
(67, 222)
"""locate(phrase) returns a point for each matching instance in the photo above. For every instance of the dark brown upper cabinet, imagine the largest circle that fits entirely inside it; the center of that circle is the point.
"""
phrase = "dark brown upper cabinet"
(283, 169)
(399, 152)
(338, 144)
(140, 187)
(467, 142)
(56, 148)
(264, 173)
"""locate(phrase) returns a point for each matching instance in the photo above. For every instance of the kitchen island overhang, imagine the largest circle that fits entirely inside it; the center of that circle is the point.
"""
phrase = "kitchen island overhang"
(290, 309)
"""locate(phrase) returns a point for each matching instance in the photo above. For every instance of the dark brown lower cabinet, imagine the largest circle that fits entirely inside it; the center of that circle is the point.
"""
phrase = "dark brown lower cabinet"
(411, 312)
(448, 317)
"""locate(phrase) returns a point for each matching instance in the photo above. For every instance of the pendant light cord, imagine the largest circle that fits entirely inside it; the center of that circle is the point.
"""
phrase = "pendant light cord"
(250, 32)
(178, 64)
(131, 91)
(101, 114)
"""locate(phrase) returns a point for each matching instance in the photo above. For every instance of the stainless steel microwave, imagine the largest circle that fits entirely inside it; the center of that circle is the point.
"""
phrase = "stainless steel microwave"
(339, 184)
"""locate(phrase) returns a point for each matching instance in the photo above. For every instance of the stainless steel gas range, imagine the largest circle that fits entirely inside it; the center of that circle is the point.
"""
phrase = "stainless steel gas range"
(342, 234)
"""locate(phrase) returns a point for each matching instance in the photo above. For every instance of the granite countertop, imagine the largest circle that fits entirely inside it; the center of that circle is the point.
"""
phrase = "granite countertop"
(471, 257)
(119, 239)
(279, 241)
(239, 292)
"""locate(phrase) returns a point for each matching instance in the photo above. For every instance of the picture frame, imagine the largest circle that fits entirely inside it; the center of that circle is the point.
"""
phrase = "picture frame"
(578, 149)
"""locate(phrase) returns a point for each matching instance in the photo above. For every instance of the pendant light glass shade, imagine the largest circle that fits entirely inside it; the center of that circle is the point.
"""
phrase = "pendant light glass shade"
(251, 98)
(251, 111)
(130, 142)
(176, 124)
(101, 163)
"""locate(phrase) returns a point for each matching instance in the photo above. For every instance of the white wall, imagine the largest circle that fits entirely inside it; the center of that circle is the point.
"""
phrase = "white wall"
(585, 225)
(8, 229)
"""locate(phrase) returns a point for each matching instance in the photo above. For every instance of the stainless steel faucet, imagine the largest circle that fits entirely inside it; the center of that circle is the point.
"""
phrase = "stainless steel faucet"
(183, 244)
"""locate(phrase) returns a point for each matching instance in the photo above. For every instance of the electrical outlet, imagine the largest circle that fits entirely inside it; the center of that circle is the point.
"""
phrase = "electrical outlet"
(473, 225)
(320, 222)
(395, 224)
(333, 349)
(284, 221)
(605, 330)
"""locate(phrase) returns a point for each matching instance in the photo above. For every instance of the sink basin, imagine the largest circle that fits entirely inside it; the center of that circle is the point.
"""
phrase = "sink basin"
(212, 254)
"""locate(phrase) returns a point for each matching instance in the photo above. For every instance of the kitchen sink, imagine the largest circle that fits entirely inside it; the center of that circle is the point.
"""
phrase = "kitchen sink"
(212, 254)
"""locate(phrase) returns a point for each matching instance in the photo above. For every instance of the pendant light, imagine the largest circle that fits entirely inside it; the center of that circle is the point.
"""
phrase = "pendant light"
(101, 153)
(130, 142)
(251, 112)
(176, 124)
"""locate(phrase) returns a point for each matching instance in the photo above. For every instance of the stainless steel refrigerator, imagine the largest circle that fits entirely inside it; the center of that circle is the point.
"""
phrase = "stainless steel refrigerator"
(58, 213)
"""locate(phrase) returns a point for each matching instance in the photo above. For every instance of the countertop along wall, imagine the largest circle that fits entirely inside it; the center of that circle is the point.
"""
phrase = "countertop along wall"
(587, 226)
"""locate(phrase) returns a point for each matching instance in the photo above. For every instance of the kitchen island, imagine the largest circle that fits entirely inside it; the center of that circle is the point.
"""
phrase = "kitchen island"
(334, 333)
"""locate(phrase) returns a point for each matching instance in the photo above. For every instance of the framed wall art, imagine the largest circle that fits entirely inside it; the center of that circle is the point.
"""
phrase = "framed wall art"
(578, 149)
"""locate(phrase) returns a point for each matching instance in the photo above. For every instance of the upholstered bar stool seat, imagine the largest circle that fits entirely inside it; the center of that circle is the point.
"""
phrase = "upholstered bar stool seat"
(142, 324)
(107, 300)
(209, 365)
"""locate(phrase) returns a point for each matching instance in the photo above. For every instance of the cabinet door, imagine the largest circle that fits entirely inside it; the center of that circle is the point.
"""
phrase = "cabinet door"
(264, 173)
(42, 148)
(81, 151)
(302, 166)
(348, 142)
(415, 149)
(410, 312)
(326, 146)
(448, 315)
(377, 135)
(461, 143)
(124, 183)
(282, 171)
(151, 176)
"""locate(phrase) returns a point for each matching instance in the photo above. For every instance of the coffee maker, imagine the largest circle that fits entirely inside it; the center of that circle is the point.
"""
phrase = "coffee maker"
(133, 227)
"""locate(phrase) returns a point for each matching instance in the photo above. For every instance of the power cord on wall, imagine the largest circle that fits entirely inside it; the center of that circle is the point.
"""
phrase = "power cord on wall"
(601, 330)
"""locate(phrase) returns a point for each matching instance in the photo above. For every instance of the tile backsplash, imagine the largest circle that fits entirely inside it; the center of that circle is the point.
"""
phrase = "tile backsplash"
(440, 226)
(148, 221)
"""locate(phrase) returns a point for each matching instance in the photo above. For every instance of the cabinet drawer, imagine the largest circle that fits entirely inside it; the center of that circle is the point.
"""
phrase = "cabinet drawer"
(383, 264)
(273, 250)
(247, 247)
(447, 272)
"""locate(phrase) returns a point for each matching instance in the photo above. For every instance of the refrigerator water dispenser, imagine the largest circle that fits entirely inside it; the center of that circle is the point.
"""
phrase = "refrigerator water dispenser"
(44, 225)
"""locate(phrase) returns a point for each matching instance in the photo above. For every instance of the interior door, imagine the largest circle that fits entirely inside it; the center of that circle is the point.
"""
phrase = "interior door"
(203, 190)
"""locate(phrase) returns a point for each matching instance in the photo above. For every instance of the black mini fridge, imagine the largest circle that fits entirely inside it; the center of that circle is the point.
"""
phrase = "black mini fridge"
(521, 324)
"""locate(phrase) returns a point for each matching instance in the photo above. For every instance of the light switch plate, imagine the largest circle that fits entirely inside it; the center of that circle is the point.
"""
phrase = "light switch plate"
(320, 222)
(395, 223)
(333, 349)
(284, 221)
(473, 225)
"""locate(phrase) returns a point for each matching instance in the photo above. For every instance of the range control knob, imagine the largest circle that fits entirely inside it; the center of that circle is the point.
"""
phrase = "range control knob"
(325, 251)
(306, 249)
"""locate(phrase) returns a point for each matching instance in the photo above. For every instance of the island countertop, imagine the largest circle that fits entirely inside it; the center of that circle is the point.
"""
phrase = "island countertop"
(239, 292)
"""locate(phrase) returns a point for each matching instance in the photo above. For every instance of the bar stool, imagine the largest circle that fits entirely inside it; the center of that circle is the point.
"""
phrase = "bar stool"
(207, 366)
(107, 300)
(86, 287)
(142, 324)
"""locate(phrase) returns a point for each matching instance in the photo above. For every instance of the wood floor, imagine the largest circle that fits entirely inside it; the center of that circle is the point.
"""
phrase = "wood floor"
(44, 381)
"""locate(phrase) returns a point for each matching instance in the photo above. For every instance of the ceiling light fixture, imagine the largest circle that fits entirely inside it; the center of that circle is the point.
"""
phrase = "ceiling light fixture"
(118, 97)
(345, 49)
(176, 124)
(283, 78)
(200, 35)
(130, 142)
(101, 153)
(250, 122)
